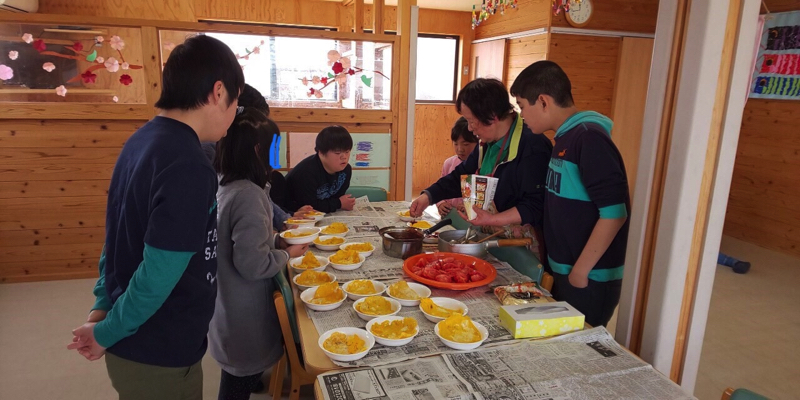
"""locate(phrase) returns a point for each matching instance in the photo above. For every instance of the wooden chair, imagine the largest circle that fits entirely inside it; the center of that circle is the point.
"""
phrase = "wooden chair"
(297, 370)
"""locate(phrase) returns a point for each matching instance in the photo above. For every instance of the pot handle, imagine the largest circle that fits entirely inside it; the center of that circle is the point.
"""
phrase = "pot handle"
(438, 226)
(514, 242)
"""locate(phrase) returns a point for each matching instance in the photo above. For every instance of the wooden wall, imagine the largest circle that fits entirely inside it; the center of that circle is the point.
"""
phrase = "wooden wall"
(619, 15)
(432, 148)
(523, 52)
(529, 15)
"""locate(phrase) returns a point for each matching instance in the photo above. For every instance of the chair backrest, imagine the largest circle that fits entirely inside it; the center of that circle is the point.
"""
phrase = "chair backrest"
(288, 302)
(741, 394)
(289, 337)
(372, 193)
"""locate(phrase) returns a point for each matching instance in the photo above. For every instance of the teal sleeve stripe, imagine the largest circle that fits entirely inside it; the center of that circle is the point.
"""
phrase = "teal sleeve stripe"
(147, 290)
(101, 302)
(564, 180)
(614, 212)
(597, 275)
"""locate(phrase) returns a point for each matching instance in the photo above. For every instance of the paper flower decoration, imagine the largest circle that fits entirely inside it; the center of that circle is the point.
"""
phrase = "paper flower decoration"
(316, 80)
(305, 81)
(89, 77)
(125, 79)
(61, 91)
(351, 72)
(100, 60)
(117, 43)
(333, 56)
(12, 55)
(39, 45)
(78, 46)
(27, 38)
(125, 65)
(48, 66)
(341, 68)
(112, 65)
(115, 99)
(257, 50)
(345, 62)
(99, 39)
(6, 72)
(337, 68)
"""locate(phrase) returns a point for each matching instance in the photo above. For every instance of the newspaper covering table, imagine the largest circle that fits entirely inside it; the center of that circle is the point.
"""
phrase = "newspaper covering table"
(581, 365)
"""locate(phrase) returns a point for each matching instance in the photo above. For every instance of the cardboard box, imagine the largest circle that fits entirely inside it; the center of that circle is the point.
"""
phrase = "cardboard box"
(540, 320)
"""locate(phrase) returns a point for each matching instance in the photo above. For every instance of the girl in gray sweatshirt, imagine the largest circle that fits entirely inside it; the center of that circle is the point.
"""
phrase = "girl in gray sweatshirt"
(244, 334)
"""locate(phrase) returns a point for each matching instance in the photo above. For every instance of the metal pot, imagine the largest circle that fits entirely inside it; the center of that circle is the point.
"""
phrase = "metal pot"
(479, 250)
(403, 242)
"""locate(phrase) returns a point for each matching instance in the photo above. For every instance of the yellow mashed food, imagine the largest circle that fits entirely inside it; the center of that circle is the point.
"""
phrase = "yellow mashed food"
(315, 213)
(313, 278)
(309, 261)
(361, 286)
(437, 311)
(290, 234)
(397, 329)
(299, 221)
(401, 290)
(459, 328)
(346, 257)
(327, 293)
(421, 225)
(340, 343)
(336, 227)
(360, 247)
(406, 213)
(332, 241)
(375, 305)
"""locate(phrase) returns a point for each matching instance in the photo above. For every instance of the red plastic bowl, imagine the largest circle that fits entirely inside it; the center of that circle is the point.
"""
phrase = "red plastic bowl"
(481, 265)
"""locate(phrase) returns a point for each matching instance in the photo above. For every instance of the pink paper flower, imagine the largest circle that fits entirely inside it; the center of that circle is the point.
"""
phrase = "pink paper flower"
(310, 92)
(117, 43)
(257, 50)
(99, 39)
(247, 57)
(125, 65)
(61, 91)
(316, 80)
(27, 38)
(169, 46)
(48, 66)
(112, 65)
(6, 72)
(262, 42)
(12, 55)
(333, 56)
(39, 45)
(337, 68)
(318, 94)
(78, 46)
(115, 99)
(100, 60)
(89, 77)
(345, 62)
(305, 82)
(125, 79)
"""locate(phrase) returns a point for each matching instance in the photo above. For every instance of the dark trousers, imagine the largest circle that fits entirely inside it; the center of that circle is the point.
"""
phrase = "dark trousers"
(596, 301)
(233, 387)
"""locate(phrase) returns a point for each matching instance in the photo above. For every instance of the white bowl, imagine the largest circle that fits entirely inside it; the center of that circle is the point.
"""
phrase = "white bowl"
(464, 346)
(422, 290)
(445, 302)
(327, 247)
(363, 254)
(301, 223)
(301, 240)
(378, 285)
(366, 336)
(366, 317)
(390, 342)
(315, 217)
(343, 234)
(404, 218)
(323, 262)
(308, 294)
(304, 287)
(346, 267)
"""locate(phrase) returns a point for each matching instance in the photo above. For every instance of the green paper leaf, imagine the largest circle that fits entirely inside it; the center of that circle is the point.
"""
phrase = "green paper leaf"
(246, 50)
(330, 75)
(367, 81)
(91, 57)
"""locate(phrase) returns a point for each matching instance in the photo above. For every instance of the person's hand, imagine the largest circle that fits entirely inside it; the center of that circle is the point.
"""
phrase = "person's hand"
(302, 211)
(97, 316)
(482, 217)
(297, 250)
(578, 279)
(83, 341)
(444, 208)
(348, 202)
(419, 205)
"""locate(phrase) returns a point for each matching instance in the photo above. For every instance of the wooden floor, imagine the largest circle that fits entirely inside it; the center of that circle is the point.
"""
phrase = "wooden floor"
(752, 340)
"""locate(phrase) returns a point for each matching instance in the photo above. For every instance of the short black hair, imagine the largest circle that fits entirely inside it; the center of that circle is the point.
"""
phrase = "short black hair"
(486, 98)
(333, 138)
(236, 152)
(193, 68)
(461, 130)
(251, 97)
(544, 77)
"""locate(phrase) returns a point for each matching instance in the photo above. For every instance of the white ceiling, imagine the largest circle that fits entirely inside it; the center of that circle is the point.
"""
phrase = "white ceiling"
(454, 5)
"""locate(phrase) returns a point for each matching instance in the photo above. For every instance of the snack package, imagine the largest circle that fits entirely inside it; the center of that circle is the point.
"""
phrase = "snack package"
(521, 293)
(477, 190)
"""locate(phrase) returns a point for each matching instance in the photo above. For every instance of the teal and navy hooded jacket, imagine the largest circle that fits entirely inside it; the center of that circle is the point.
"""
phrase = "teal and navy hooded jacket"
(586, 181)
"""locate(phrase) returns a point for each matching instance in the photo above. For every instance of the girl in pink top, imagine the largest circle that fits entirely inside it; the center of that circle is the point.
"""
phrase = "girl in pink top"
(464, 143)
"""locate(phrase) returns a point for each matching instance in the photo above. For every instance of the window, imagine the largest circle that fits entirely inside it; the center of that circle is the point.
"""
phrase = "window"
(437, 68)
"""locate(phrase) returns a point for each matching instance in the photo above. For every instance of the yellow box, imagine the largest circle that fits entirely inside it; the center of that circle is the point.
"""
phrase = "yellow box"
(540, 320)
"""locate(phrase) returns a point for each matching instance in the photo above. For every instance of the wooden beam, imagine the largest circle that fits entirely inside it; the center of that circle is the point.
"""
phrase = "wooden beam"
(359, 17)
(402, 95)
(377, 17)
(706, 187)
(330, 115)
(24, 110)
(151, 60)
